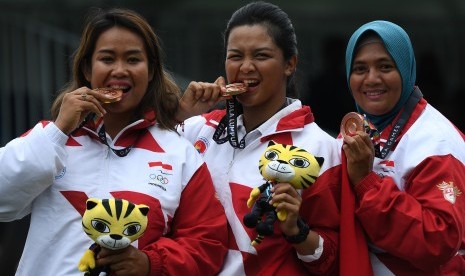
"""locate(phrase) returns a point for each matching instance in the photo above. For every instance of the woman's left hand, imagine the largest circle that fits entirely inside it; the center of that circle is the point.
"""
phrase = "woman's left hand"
(128, 262)
(287, 199)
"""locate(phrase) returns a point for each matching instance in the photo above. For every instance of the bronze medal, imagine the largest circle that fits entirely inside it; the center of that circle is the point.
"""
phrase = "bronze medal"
(112, 94)
(233, 89)
(351, 123)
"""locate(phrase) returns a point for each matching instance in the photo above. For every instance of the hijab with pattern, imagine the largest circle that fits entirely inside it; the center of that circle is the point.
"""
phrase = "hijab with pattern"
(398, 45)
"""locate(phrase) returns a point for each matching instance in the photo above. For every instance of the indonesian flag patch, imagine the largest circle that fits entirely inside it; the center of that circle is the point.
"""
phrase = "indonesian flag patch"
(449, 191)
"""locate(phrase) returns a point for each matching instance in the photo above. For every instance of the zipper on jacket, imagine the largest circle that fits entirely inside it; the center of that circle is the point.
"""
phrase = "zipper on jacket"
(232, 160)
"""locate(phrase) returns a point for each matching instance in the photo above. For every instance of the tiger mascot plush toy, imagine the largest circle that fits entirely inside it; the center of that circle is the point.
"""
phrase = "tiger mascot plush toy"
(279, 164)
(113, 224)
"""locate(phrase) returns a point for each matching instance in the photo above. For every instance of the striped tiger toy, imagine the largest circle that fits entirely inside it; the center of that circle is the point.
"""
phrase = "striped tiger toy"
(113, 224)
(279, 163)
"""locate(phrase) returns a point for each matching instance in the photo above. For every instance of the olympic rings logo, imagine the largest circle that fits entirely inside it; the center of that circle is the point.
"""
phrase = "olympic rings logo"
(160, 178)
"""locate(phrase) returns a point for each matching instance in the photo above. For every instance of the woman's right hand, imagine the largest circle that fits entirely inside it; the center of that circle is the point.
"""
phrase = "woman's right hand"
(75, 106)
(200, 97)
(360, 154)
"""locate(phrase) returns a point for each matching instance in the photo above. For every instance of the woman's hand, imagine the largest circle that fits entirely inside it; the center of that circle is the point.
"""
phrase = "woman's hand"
(286, 197)
(76, 105)
(360, 154)
(200, 97)
(129, 261)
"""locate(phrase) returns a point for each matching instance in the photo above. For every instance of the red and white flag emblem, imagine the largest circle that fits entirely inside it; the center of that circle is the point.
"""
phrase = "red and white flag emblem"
(449, 191)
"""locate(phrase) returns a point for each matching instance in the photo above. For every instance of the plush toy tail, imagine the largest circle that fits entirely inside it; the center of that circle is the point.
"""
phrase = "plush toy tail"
(257, 240)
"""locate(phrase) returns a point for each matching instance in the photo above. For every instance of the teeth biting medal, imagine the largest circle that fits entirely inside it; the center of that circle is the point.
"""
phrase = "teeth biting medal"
(235, 89)
(112, 94)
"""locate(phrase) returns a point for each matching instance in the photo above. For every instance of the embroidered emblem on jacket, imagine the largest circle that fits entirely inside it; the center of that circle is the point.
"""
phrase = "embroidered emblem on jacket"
(387, 166)
(201, 145)
(160, 177)
(449, 191)
(62, 173)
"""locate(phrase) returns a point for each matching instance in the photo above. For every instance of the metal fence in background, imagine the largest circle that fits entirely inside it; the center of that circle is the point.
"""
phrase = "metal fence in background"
(34, 65)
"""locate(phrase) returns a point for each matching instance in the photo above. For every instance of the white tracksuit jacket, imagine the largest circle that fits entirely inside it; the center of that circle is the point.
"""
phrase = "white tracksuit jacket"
(50, 175)
(235, 172)
(412, 207)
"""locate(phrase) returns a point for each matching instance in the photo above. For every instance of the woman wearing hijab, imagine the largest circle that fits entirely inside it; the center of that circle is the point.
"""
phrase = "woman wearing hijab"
(409, 188)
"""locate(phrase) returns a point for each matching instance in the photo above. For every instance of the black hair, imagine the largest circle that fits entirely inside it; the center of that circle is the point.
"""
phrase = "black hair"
(279, 27)
(162, 94)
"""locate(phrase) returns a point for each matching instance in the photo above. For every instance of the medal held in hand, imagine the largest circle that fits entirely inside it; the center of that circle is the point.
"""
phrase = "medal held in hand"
(353, 122)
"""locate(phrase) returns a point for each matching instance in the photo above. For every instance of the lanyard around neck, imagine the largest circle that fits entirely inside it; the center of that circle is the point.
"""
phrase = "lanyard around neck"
(400, 123)
(228, 124)
(103, 137)
(119, 152)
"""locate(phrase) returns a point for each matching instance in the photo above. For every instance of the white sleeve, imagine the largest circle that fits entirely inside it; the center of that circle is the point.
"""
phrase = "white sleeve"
(316, 255)
(28, 167)
(191, 128)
